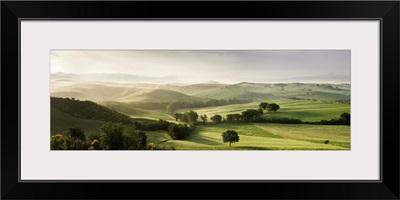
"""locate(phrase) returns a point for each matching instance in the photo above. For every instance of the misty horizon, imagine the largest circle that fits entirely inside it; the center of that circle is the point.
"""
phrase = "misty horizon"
(174, 79)
(194, 66)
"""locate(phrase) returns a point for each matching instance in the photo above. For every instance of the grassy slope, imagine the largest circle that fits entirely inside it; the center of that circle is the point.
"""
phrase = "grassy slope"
(61, 121)
(264, 91)
(298, 109)
(141, 113)
(123, 93)
(261, 136)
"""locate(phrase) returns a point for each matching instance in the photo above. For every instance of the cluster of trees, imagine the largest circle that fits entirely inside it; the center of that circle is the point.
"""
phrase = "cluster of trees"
(247, 115)
(88, 110)
(188, 117)
(152, 126)
(113, 136)
(179, 131)
(270, 107)
(344, 119)
(172, 106)
(176, 131)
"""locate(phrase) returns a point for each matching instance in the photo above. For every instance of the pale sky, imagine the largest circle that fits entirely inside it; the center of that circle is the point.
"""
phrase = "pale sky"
(205, 65)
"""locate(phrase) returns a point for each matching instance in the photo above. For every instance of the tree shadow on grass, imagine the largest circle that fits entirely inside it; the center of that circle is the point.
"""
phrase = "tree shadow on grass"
(251, 148)
(201, 139)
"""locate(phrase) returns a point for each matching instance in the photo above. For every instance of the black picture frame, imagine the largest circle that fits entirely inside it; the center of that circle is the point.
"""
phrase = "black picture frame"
(386, 11)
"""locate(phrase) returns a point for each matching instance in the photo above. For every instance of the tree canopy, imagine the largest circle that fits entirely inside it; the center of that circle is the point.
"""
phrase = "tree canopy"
(216, 118)
(230, 136)
(273, 107)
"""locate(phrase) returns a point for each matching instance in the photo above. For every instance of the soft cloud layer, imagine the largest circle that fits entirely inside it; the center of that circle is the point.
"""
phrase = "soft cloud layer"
(229, 66)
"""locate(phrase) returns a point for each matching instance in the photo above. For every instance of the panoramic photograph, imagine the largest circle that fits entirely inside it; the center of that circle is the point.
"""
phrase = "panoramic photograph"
(200, 100)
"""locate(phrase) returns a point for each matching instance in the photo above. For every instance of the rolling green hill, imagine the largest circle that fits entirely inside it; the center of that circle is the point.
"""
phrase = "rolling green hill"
(100, 92)
(255, 136)
(61, 121)
(304, 110)
(87, 110)
(137, 113)
(159, 95)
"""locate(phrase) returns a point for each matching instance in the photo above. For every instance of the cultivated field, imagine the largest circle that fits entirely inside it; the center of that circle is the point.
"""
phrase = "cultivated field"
(307, 102)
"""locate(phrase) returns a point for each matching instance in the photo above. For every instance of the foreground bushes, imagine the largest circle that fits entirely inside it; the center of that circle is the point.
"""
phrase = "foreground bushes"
(114, 136)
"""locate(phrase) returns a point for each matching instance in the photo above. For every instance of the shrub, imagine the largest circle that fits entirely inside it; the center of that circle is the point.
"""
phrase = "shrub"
(179, 131)
(76, 133)
(57, 142)
(113, 138)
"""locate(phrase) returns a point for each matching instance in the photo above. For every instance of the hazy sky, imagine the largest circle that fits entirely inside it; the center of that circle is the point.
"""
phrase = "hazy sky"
(204, 65)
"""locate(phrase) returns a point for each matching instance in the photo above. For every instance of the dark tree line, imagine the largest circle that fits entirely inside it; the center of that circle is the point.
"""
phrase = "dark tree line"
(344, 119)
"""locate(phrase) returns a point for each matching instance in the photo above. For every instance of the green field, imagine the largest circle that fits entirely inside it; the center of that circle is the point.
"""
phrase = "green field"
(304, 110)
(256, 136)
(307, 102)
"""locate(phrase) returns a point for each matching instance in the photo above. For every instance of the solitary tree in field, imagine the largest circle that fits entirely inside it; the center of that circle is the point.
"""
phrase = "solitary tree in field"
(263, 105)
(230, 136)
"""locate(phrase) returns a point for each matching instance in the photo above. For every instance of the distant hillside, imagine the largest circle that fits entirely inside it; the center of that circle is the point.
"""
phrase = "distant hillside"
(328, 78)
(87, 110)
(102, 92)
(159, 95)
(223, 91)
(122, 93)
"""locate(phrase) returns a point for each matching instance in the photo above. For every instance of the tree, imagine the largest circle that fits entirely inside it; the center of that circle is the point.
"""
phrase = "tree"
(345, 118)
(178, 116)
(95, 145)
(57, 142)
(263, 105)
(171, 107)
(260, 111)
(135, 139)
(250, 115)
(76, 133)
(230, 136)
(190, 117)
(273, 107)
(94, 136)
(282, 85)
(204, 118)
(113, 136)
(179, 131)
(233, 117)
(216, 118)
